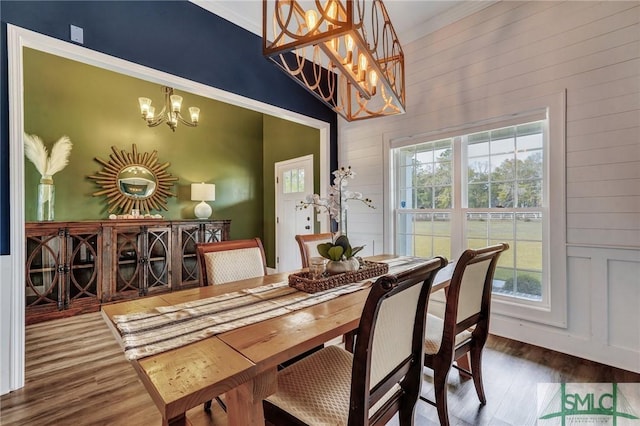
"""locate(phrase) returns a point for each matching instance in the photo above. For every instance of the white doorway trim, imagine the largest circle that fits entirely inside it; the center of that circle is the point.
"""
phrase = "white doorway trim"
(18, 38)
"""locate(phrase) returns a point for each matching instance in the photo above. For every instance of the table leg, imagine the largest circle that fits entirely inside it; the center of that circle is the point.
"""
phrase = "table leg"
(244, 402)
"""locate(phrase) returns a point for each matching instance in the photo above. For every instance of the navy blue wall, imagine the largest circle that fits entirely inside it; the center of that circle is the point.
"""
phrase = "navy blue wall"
(176, 37)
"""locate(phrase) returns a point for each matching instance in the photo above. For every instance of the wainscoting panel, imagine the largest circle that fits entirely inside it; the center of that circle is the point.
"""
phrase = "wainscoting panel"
(623, 297)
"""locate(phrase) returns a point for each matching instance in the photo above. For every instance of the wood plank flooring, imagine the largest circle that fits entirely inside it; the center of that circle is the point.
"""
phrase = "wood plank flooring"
(76, 374)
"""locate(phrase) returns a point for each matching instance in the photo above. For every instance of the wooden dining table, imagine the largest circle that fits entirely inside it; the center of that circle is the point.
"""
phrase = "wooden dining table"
(242, 363)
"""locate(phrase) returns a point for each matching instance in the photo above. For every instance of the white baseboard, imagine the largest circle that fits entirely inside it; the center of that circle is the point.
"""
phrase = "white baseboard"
(560, 340)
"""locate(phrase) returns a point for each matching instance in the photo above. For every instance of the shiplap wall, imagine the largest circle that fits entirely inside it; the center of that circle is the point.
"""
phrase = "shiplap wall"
(469, 71)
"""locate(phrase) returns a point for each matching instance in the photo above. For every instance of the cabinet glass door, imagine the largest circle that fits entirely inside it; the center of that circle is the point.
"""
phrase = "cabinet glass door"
(45, 271)
(189, 236)
(128, 276)
(83, 271)
(212, 233)
(158, 253)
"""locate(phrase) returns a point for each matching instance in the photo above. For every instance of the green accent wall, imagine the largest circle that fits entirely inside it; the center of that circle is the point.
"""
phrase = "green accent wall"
(99, 109)
(284, 140)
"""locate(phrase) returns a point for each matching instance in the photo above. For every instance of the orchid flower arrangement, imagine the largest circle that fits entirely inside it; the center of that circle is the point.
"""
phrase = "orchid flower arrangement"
(335, 204)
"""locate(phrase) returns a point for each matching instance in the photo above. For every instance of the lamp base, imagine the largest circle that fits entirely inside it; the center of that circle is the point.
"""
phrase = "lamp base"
(203, 210)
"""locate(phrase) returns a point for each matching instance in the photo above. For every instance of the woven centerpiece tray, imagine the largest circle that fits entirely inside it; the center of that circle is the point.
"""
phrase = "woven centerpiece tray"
(303, 281)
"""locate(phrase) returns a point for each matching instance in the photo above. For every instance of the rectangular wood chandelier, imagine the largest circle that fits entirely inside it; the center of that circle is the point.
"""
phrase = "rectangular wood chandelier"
(345, 52)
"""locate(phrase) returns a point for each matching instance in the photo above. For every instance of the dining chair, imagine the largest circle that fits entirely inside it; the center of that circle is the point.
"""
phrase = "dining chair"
(383, 375)
(465, 326)
(308, 244)
(224, 261)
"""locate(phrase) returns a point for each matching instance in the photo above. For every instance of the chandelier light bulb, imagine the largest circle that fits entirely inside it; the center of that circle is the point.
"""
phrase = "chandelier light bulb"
(311, 18)
(176, 102)
(145, 104)
(195, 114)
(150, 114)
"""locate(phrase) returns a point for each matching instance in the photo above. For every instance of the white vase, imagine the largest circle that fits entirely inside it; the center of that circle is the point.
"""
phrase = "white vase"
(341, 266)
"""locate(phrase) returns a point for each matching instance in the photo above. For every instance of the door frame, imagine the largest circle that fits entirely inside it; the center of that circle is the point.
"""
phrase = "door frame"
(12, 326)
(276, 165)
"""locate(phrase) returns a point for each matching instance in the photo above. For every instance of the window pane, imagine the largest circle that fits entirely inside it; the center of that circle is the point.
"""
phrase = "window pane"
(529, 164)
(502, 195)
(442, 247)
(443, 197)
(529, 142)
(300, 180)
(529, 226)
(424, 246)
(287, 181)
(499, 146)
(479, 169)
(424, 198)
(294, 181)
(528, 285)
(503, 167)
(529, 255)
(478, 195)
(530, 193)
(500, 279)
(441, 224)
(477, 225)
(501, 226)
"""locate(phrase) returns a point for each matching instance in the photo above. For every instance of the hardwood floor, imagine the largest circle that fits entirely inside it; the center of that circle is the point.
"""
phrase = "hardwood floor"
(76, 374)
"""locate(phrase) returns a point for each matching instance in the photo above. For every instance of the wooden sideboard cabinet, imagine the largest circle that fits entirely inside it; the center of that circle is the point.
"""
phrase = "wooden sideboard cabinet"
(74, 267)
(63, 264)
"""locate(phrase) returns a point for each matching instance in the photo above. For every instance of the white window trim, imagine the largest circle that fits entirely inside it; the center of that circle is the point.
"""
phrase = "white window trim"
(553, 309)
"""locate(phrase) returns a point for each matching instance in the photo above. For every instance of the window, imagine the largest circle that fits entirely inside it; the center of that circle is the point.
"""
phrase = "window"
(473, 190)
(293, 181)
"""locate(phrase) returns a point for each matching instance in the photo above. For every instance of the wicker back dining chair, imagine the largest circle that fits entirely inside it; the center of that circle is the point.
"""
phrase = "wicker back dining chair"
(226, 261)
(382, 377)
(465, 326)
(308, 245)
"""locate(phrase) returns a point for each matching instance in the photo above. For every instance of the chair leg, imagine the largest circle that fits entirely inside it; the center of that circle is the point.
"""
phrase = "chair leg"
(464, 363)
(476, 369)
(350, 341)
(440, 374)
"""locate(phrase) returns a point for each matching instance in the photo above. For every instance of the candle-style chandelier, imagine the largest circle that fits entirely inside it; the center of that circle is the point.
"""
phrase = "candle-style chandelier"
(170, 112)
(345, 52)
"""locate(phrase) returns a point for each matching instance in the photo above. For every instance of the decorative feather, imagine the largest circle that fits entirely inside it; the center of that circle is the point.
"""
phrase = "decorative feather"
(46, 165)
(35, 151)
(59, 155)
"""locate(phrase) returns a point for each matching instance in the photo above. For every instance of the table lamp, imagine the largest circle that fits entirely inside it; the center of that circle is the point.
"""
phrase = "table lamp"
(203, 192)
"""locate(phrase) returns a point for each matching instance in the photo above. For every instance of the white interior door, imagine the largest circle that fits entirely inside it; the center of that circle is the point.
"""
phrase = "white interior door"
(294, 181)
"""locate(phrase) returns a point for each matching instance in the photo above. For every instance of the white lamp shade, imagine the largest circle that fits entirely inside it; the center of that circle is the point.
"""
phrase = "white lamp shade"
(203, 192)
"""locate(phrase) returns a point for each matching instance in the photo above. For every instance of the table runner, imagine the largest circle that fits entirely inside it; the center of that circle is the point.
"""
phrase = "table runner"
(168, 327)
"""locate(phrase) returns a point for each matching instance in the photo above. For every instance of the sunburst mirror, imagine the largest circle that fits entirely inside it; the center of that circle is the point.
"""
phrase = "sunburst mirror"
(133, 180)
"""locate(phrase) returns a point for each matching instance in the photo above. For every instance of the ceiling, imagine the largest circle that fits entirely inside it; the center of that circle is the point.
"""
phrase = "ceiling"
(411, 19)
